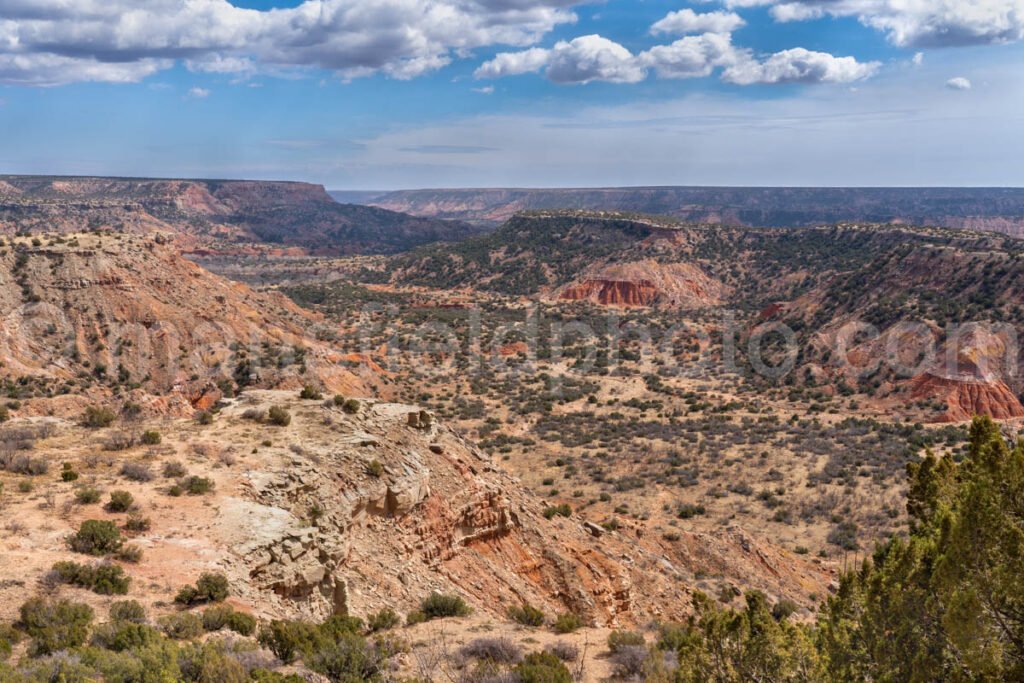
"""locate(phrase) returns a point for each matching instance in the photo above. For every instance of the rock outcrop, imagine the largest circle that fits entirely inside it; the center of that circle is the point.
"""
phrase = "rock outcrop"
(966, 397)
(647, 283)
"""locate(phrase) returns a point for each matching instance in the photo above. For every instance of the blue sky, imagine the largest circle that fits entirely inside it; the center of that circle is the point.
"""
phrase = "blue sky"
(439, 93)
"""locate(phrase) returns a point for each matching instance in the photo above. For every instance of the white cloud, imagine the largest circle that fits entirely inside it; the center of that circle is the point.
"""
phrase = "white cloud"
(914, 23)
(686, 21)
(198, 93)
(486, 90)
(579, 61)
(593, 58)
(959, 83)
(800, 66)
(918, 59)
(693, 56)
(514, 63)
(50, 42)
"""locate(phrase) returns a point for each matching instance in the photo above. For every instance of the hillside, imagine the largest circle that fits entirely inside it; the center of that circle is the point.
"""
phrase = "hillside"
(215, 213)
(96, 315)
(817, 280)
(974, 208)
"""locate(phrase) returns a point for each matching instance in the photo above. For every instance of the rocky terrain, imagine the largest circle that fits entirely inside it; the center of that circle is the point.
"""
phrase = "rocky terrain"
(215, 216)
(93, 316)
(995, 209)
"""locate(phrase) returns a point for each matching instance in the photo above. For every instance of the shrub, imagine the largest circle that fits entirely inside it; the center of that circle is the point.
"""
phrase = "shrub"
(181, 626)
(415, 617)
(55, 625)
(122, 636)
(96, 537)
(618, 640)
(375, 469)
(567, 623)
(339, 400)
(558, 511)
(137, 523)
(224, 616)
(527, 615)
(120, 501)
(104, 579)
(288, 639)
(128, 610)
(129, 553)
(174, 470)
(137, 471)
(9, 637)
(279, 415)
(68, 475)
(628, 662)
(209, 588)
(196, 486)
(349, 658)
(204, 417)
(438, 606)
(351, 406)
(241, 623)
(542, 667)
(497, 650)
(96, 417)
(211, 662)
(383, 620)
(87, 495)
(151, 437)
(567, 652)
(310, 393)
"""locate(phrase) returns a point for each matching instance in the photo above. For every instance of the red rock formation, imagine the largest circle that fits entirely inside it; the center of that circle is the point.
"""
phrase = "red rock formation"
(966, 398)
(613, 292)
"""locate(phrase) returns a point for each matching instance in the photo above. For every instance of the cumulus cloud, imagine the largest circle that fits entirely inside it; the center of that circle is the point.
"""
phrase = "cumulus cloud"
(686, 21)
(693, 56)
(959, 83)
(593, 58)
(50, 42)
(913, 23)
(579, 61)
(197, 93)
(800, 66)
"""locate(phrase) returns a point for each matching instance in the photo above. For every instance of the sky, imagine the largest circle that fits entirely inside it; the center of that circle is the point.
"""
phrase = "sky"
(391, 94)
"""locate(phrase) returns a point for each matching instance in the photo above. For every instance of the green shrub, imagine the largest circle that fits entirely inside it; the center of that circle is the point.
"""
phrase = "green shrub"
(415, 617)
(310, 393)
(120, 636)
(339, 400)
(96, 417)
(137, 523)
(104, 579)
(151, 437)
(349, 658)
(289, 640)
(68, 475)
(241, 623)
(351, 406)
(209, 588)
(87, 495)
(205, 417)
(617, 640)
(279, 415)
(120, 501)
(224, 616)
(128, 610)
(527, 615)
(542, 667)
(558, 511)
(181, 626)
(196, 486)
(567, 623)
(9, 637)
(210, 661)
(375, 469)
(383, 620)
(129, 553)
(438, 606)
(96, 537)
(55, 625)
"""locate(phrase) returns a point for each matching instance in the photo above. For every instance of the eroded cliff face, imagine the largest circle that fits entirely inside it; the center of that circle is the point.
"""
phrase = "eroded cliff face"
(966, 397)
(84, 314)
(647, 283)
(321, 528)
